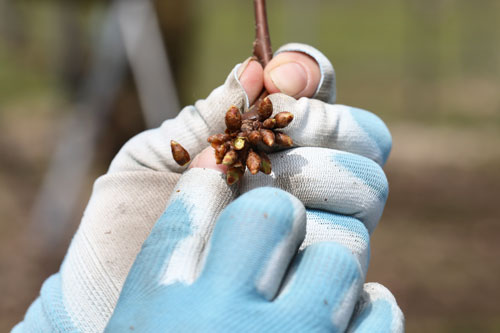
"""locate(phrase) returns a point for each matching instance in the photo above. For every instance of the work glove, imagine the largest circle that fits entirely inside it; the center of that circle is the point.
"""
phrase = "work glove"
(127, 201)
(336, 168)
(251, 279)
(335, 171)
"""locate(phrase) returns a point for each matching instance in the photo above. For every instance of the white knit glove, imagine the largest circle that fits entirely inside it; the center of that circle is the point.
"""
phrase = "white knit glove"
(128, 200)
(344, 193)
(336, 169)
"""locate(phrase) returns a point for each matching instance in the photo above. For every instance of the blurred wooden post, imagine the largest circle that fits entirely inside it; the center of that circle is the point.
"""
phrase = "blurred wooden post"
(71, 53)
(148, 59)
(130, 31)
(56, 201)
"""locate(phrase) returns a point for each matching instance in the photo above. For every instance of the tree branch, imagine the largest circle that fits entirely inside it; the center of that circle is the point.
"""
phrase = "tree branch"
(261, 50)
(262, 44)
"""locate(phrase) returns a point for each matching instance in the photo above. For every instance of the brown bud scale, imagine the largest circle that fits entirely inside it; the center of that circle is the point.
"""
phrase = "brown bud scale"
(233, 118)
(234, 174)
(247, 125)
(254, 137)
(253, 162)
(220, 152)
(265, 164)
(181, 156)
(265, 109)
(283, 119)
(283, 140)
(230, 158)
(269, 123)
(268, 137)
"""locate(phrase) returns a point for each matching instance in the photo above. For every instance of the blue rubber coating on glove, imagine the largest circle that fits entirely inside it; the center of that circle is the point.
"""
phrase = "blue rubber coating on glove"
(324, 285)
(347, 222)
(246, 235)
(364, 169)
(48, 313)
(226, 297)
(173, 226)
(375, 128)
(376, 317)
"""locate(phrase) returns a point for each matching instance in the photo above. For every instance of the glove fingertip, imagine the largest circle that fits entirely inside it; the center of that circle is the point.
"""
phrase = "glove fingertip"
(326, 90)
(377, 311)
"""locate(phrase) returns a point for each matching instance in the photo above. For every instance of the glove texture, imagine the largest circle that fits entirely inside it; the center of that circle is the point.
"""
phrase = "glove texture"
(254, 242)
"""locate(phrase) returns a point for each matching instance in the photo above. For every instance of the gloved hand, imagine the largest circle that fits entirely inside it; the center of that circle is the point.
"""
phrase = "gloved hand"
(342, 185)
(245, 283)
(128, 200)
(335, 168)
(336, 173)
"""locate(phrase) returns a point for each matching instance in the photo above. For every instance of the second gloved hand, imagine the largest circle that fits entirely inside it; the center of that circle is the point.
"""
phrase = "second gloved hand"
(244, 282)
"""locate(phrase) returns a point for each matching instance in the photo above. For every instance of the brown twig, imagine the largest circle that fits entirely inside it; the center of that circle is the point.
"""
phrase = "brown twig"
(262, 44)
(261, 49)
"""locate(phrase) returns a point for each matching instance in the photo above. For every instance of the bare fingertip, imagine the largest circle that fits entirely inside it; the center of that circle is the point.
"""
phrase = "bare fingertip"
(206, 159)
(251, 78)
(293, 73)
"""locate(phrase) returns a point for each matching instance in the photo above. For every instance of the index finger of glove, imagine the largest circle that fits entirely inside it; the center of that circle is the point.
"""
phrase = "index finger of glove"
(254, 241)
(174, 247)
(324, 282)
(318, 124)
(329, 180)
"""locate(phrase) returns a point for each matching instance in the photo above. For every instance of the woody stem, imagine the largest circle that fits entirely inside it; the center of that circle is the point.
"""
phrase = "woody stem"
(261, 49)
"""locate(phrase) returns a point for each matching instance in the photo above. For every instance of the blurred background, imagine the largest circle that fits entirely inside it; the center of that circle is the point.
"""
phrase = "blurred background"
(78, 78)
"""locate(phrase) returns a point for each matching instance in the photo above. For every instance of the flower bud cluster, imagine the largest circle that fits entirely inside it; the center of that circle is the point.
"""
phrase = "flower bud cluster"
(246, 137)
